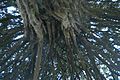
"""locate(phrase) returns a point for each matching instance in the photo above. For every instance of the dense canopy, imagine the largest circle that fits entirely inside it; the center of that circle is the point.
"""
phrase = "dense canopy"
(59, 39)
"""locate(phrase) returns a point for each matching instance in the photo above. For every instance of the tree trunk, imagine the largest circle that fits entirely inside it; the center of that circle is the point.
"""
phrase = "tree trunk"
(65, 20)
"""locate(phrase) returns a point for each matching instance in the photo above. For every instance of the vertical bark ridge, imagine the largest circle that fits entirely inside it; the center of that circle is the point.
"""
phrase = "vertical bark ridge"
(37, 25)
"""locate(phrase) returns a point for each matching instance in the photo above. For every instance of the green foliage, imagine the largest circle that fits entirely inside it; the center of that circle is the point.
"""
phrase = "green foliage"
(74, 39)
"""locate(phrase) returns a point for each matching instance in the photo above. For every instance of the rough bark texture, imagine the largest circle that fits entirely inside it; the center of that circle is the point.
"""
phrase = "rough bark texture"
(61, 19)
(59, 11)
(33, 23)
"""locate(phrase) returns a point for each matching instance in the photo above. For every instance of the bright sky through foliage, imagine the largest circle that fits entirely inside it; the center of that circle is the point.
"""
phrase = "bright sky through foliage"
(100, 38)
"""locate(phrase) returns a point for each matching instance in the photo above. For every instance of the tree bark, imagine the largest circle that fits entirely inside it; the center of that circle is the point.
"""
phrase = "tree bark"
(61, 19)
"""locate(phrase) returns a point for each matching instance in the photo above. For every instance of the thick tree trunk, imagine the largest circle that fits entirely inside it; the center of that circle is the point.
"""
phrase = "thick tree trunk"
(61, 19)
(60, 11)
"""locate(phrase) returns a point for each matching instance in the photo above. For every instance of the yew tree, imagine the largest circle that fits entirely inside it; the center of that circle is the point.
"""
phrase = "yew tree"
(60, 40)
